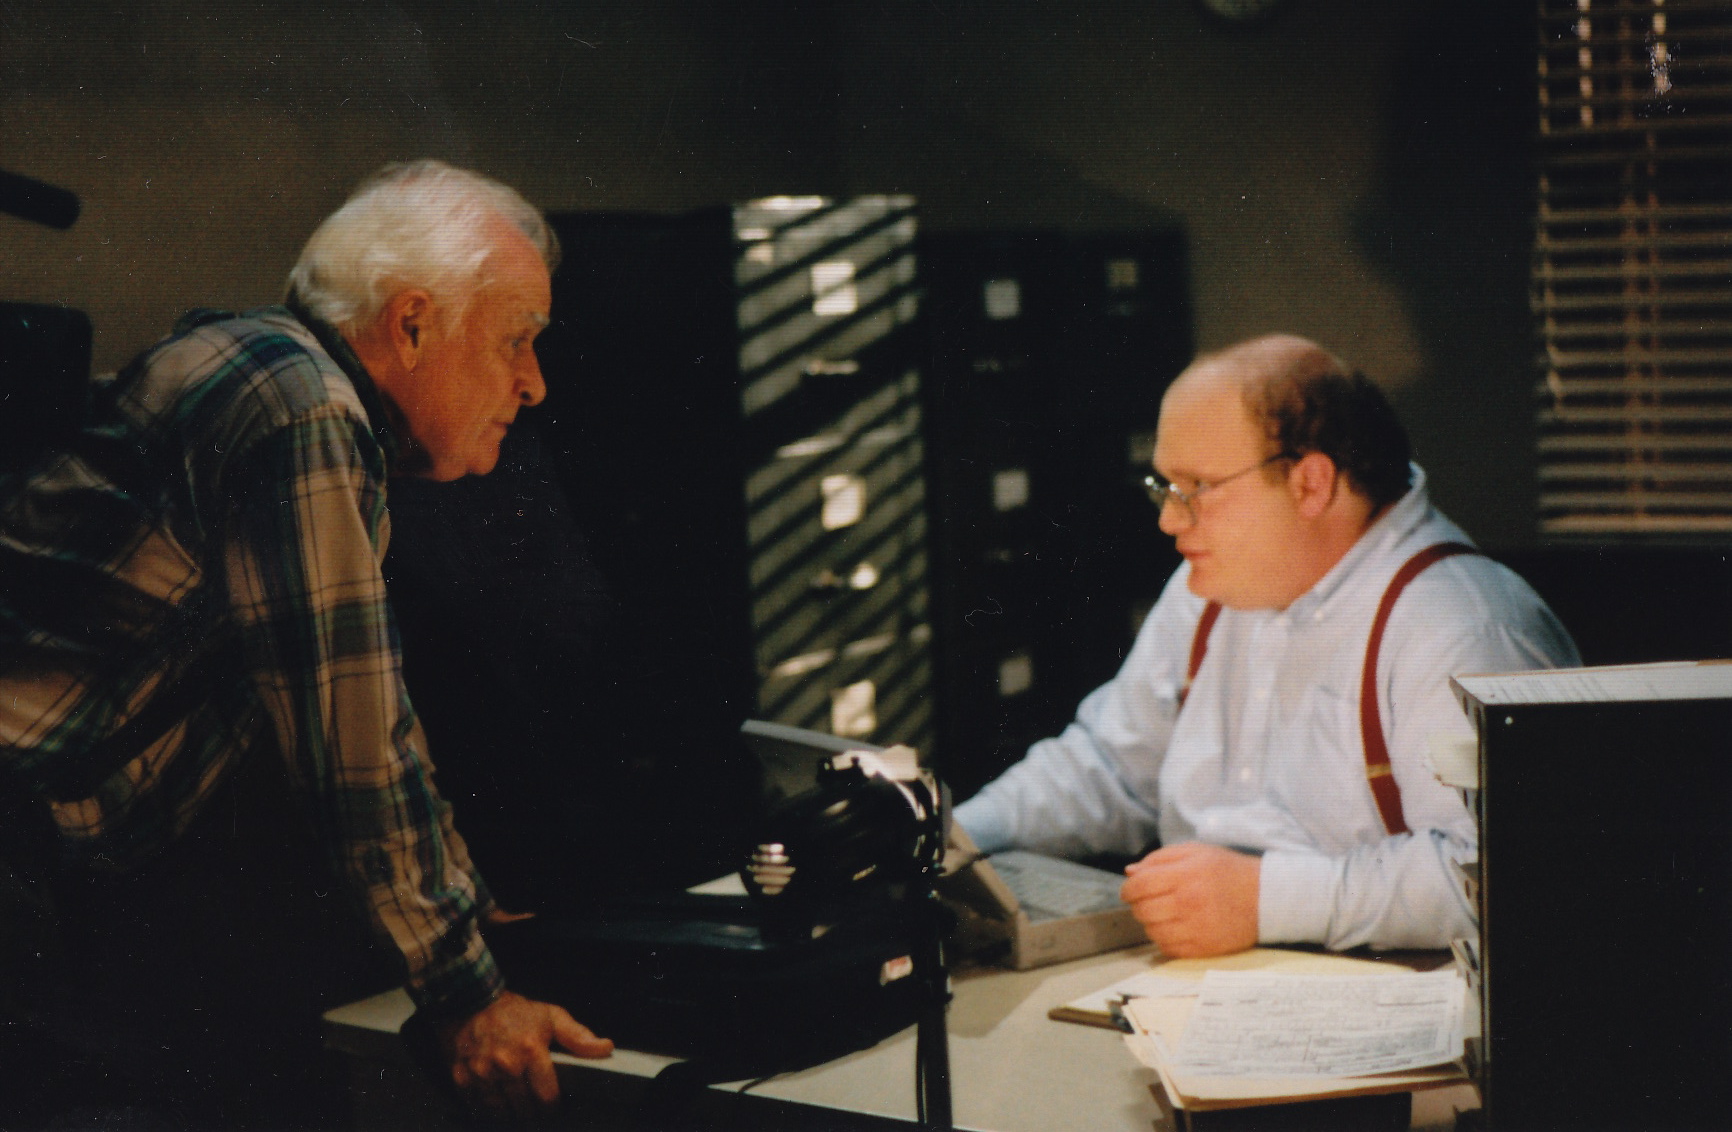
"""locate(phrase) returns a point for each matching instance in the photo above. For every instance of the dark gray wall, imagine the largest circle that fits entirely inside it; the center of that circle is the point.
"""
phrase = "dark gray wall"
(1356, 170)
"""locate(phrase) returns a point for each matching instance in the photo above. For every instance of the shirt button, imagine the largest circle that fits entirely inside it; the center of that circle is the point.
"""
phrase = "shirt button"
(1244, 774)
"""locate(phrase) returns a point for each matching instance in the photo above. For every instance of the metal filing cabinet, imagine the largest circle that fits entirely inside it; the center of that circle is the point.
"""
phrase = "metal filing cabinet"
(1049, 353)
(734, 405)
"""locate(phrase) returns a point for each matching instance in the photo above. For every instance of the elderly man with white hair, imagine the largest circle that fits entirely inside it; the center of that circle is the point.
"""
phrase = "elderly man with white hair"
(1269, 726)
(201, 693)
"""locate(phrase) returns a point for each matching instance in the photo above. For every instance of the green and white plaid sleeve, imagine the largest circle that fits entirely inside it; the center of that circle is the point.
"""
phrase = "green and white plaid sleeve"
(305, 588)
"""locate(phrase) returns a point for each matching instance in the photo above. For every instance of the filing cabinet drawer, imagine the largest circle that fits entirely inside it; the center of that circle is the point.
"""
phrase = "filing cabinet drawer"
(876, 689)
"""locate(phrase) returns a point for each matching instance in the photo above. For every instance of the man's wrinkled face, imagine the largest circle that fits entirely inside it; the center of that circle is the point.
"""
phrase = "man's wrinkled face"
(473, 377)
(1240, 532)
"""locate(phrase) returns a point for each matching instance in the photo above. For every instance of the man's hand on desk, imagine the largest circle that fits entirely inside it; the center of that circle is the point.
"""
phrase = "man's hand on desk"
(500, 1059)
(1194, 899)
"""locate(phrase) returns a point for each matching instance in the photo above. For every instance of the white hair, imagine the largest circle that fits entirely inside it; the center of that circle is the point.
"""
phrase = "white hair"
(414, 224)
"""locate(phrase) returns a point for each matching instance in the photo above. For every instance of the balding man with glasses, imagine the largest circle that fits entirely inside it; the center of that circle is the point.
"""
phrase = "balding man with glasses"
(1269, 728)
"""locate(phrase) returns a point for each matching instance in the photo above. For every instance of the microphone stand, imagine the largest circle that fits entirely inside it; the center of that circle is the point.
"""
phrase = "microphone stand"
(932, 1039)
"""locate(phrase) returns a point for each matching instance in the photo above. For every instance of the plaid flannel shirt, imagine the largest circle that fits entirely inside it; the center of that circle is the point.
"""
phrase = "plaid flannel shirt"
(212, 543)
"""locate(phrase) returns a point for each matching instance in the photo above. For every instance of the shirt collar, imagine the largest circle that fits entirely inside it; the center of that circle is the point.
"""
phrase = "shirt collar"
(1392, 528)
(343, 354)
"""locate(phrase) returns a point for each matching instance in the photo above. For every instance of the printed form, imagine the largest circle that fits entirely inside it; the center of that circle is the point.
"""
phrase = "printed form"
(1249, 1023)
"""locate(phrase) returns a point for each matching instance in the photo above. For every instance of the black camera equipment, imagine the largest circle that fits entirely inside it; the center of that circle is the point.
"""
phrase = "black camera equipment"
(871, 830)
(837, 946)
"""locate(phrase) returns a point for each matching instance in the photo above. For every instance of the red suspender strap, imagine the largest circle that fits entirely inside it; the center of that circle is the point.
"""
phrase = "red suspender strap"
(1199, 647)
(1378, 772)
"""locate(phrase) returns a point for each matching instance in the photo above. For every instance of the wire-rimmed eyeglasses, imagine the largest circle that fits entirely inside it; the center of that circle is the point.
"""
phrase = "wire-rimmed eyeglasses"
(1160, 491)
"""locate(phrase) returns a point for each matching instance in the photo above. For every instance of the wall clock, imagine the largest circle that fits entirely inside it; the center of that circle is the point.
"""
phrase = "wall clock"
(1241, 11)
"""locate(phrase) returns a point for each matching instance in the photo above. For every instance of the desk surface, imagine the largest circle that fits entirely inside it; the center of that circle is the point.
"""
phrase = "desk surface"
(1012, 1068)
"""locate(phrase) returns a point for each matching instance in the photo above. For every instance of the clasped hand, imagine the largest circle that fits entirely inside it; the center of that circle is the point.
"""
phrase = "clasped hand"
(1195, 900)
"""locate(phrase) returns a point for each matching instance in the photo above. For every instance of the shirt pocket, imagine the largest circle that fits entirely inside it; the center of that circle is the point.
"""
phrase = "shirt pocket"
(1190, 771)
(1320, 780)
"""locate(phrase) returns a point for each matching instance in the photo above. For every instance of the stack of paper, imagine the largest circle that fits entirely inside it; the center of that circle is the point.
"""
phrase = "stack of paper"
(1255, 1037)
(1466, 955)
(1467, 875)
(1455, 762)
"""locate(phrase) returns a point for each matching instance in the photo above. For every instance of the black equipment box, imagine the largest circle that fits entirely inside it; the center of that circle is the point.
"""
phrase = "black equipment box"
(1606, 896)
(704, 977)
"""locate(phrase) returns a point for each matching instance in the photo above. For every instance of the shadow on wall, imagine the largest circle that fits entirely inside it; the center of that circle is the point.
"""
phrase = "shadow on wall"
(994, 181)
(1452, 227)
(1636, 604)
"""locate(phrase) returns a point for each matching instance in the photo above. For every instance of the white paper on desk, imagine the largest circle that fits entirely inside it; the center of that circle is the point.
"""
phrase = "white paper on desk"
(1144, 984)
(730, 885)
(1144, 1049)
(1251, 1024)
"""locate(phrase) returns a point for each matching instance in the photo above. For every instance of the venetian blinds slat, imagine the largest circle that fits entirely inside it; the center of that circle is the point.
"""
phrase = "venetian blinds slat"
(1632, 277)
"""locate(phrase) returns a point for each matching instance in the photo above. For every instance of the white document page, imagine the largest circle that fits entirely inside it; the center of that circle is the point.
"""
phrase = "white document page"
(1145, 984)
(1248, 1023)
(1668, 680)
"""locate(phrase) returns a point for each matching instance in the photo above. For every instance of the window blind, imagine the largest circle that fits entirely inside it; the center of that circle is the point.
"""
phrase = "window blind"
(1632, 275)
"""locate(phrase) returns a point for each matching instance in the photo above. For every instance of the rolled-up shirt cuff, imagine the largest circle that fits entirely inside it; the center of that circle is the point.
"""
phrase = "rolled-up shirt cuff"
(1293, 900)
(484, 899)
(985, 823)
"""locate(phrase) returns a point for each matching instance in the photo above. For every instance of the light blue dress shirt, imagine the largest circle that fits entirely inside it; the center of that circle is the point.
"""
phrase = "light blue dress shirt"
(1267, 754)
